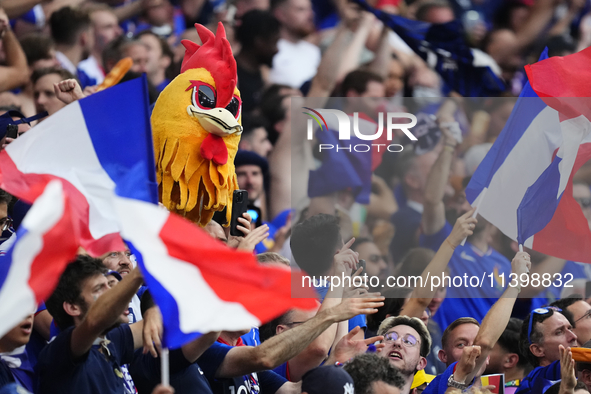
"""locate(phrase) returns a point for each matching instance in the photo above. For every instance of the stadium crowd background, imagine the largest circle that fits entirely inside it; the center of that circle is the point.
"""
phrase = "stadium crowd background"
(319, 48)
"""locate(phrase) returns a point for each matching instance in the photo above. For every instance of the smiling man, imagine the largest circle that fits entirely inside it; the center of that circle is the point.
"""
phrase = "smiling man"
(121, 263)
(407, 343)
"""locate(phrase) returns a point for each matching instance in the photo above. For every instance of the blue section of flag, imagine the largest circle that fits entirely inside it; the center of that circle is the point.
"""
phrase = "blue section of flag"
(539, 203)
(527, 107)
(341, 170)
(166, 303)
(454, 58)
(122, 138)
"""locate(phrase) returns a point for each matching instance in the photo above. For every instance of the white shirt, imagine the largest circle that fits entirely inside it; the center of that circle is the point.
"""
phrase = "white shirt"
(65, 62)
(91, 67)
(295, 63)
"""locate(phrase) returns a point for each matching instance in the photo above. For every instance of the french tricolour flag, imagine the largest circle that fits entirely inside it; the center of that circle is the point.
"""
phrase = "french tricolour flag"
(88, 145)
(30, 269)
(524, 184)
(100, 149)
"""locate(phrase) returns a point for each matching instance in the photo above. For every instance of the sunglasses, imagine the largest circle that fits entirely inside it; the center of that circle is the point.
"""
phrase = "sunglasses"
(539, 311)
(408, 340)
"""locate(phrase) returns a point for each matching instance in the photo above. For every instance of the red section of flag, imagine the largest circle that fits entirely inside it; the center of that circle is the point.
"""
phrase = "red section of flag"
(568, 235)
(59, 248)
(30, 186)
(557, 80)
(235, 276)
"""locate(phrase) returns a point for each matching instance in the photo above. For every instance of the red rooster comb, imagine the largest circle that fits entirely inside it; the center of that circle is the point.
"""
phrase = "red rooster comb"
(215, 55)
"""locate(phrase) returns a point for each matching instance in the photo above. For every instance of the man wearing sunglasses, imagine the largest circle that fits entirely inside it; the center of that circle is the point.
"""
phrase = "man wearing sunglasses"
(542, 332)
(578, 313)
(407, 343)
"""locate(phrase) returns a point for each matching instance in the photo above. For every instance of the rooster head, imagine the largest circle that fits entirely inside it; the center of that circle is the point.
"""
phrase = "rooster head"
(196, 125)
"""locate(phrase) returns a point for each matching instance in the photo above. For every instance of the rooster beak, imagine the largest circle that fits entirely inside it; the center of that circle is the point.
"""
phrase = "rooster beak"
(218, 121)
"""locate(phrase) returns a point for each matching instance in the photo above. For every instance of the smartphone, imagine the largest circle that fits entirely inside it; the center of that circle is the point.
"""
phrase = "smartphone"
(11, 131)
(239, 206)
(361, 264)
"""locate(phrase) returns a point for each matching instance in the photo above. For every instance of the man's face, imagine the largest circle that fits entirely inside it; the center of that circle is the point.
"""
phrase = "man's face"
(18, 336)
(92, 288)
(45, 99)
(259, 142)
(581, 316)
(461, 336)
(106, 29)
(440, 15)
(582, 195)
(118, 261)
(297, 17)
(139, 54)
(406, 358)
(375, 263)
(250, 178)
(395, 80)
(154, 54)
(497, 358)
(3, 214)
(216, 231)
(266, 48)
(556, 330)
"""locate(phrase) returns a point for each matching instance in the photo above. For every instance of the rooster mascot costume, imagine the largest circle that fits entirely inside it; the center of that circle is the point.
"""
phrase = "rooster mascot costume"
(196, 124)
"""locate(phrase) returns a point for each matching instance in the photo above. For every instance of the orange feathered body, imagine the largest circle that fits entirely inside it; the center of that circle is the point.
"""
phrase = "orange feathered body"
(196, 130)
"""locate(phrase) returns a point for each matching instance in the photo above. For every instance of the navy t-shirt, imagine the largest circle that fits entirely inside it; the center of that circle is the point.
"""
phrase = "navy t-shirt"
(185, 377)
(439, 384)
(538, 380)
(94, 372)
(266, 382)
(469, 298)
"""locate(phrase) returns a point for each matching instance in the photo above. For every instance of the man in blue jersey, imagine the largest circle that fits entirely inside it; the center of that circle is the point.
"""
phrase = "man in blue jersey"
(542, 332)
(474, 259)
(464, 333)
(86, 357)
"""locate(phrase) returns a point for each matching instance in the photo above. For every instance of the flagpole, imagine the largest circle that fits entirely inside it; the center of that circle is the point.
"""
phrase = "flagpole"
(164, 370)
(477, 204)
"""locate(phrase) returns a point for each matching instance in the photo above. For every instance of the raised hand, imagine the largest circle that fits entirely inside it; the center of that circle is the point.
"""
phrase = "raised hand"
(463, 228)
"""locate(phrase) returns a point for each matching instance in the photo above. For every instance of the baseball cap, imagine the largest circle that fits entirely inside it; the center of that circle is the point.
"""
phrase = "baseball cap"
(327, 380)
(421, 378)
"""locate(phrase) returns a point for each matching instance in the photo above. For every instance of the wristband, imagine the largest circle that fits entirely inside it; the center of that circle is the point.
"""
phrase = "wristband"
(452, 383)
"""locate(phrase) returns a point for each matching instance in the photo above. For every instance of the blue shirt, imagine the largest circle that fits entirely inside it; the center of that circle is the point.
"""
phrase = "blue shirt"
(22, 375)
(469, 265)
(266, 382)
(439, 384)
(252, 337)
(538, 380)
(93, 373)
(185, 377)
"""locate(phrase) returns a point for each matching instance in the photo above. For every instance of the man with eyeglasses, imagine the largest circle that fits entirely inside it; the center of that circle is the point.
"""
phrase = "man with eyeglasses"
(407, 343)
(5, 220)
(542, 332)
(578, 313)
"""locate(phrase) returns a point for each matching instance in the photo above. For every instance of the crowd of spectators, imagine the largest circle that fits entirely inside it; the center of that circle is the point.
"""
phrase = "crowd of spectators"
(100, 330)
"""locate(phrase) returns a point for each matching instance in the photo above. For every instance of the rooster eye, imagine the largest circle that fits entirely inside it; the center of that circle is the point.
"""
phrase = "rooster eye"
(206, 97)
(234, 106)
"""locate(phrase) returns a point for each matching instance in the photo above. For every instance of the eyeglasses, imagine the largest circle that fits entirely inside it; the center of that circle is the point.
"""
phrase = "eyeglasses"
(5, 223)
(408, 340)
(584, 202)
(539, 311)
(586, 314)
